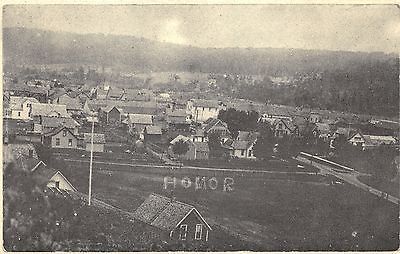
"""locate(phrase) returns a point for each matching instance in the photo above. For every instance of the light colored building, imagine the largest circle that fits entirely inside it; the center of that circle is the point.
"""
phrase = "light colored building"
(51, 178)
(202, 110)
(242, 147)
(20, 107)
(371, 141)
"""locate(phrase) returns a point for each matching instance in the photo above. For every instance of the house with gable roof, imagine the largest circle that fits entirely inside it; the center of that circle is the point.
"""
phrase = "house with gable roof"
(242, 147)
(51, 178)
(61, 137)
(177, 119)
(20, 107)
(47, 124)
(137, 122)
(178, 220)
(282, 127)
(73, 104)
(152, 134)
(196, 150)
(371, 141)
(110, 114)
(215, 125)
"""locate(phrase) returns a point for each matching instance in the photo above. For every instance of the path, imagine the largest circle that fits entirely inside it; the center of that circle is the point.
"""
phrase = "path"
(350, 178)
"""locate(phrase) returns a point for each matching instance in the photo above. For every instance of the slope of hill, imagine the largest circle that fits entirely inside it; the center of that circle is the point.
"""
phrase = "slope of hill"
(33, 46)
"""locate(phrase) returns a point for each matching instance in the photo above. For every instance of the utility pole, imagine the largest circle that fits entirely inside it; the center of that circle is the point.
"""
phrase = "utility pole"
(91, 163)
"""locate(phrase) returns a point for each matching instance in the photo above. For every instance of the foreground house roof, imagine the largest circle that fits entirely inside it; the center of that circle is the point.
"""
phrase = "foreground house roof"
(164, 213)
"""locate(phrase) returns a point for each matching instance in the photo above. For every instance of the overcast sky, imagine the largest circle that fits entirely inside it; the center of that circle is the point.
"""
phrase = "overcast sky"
(354, 28)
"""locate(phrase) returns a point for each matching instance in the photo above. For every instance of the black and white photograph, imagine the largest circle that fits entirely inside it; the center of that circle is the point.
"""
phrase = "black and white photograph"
(200, 127)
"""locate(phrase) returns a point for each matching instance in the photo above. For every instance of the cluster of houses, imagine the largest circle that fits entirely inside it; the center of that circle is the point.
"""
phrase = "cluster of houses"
(56, 115)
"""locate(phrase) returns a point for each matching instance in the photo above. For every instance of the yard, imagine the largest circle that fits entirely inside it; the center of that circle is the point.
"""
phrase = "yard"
(270, 214)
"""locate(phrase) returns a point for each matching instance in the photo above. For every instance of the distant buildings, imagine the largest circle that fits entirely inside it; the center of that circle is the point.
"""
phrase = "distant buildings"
(371, 141)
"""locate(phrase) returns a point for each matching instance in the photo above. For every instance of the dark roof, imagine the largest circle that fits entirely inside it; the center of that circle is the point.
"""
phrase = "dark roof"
(245, 139)
(240, 145)
(43, 175)
(58, 130)
(164, 213)
(54, 122)
(115, 92)
(212, 122)
(98, 138)
(56, 93)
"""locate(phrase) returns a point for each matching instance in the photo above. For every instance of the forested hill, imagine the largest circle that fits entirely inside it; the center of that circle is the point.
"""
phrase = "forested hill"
(32, 46)
(347, 81)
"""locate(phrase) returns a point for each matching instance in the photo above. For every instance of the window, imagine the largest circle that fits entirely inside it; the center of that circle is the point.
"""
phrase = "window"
(250, 153)
(19, 113)
(58, 184)
(64, 133)
(57, 141)
(183, 232)
(70, 142)
(199, 231)
(243, 151)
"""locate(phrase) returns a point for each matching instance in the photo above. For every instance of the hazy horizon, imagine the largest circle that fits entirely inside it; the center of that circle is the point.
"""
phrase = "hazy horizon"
(361, 28)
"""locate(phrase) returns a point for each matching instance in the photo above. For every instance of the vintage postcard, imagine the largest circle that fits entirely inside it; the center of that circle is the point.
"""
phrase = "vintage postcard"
(200, 127)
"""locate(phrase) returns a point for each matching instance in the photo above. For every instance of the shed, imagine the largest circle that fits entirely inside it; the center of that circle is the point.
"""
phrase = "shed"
(98, 142)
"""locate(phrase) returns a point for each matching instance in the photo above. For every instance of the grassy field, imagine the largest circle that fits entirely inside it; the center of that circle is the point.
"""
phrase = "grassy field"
(270, 214)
